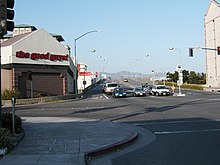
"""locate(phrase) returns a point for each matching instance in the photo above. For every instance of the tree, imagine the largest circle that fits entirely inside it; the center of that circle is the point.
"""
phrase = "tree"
(193, 78)
(188, 77)
(185, 76)
(172, 76)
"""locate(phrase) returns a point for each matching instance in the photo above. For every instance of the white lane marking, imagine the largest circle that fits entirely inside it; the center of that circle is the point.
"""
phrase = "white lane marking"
(105, 96)
(86, 108)
(174, 122)
(189, 131)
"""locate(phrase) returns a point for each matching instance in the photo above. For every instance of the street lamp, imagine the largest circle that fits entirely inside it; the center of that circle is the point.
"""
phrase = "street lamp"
(179, 69)
(153, 71)
(85, 68)
(172, 48)
(75, 40)
(98, 69)
(93, 31)
(141, 61)
(92, 51)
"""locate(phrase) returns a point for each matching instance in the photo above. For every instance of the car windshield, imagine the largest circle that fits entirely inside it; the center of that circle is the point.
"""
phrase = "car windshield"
(161, 87)
(138, 89)
(150, 87)
(112, 85)
(119, 90)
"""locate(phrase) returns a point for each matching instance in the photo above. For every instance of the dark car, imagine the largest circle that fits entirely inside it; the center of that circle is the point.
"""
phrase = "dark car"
(138, 91)
(148, 90)
(144, 86)
(119, 92)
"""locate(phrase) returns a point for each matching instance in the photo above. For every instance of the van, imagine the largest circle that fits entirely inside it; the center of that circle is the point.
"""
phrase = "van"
(109, 87)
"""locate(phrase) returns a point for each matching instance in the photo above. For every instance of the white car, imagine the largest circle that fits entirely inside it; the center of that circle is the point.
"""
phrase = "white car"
(160, 90)
(109, 87)
(125, 80)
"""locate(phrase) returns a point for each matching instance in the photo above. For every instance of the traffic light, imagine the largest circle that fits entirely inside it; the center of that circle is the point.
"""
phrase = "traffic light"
(6, 16)
(190, 52)
(218, 49)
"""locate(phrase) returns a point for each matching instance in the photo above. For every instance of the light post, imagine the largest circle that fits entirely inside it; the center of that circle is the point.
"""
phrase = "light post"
(104, 65)
(85, 68)
(179, 69)
(141, 61)
(99, 67)
(164, 81)
(92, 51)
(75, 40)
(75, 50)
(136, 65)
(172, 48)
(131, 70)
(153, 71)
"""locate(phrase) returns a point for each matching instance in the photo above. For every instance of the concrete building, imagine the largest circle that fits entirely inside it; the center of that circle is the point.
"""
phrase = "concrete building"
(35, 63)
(212, 41)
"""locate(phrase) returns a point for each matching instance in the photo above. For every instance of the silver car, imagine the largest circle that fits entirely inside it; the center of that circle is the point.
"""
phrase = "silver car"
(138, 91)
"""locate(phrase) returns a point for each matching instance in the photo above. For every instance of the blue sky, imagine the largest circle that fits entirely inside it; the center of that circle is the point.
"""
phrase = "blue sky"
(131, 29)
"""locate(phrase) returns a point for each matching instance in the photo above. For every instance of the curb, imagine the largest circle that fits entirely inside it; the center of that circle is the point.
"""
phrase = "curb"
(16, 139)
(109, 148)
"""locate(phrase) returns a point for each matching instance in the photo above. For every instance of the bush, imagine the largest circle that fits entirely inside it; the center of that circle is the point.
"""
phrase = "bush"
(4, 137)
(187, 86)
(7, 122)
(192, 86)
(8, 94)
(6, 141)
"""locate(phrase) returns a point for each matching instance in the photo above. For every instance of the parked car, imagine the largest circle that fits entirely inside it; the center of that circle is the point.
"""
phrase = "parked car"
(138, 91)
(160, 90)
(109, 87)
(119, 92)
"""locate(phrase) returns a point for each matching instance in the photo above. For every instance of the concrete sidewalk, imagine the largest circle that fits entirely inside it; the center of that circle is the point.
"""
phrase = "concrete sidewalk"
(68, 141)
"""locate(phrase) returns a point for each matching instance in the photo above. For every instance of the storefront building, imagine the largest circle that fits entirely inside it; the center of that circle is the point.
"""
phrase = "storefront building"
(36, 64)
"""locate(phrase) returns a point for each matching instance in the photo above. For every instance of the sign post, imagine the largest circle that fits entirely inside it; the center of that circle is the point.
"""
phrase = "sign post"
(13, 102)
(180, 80)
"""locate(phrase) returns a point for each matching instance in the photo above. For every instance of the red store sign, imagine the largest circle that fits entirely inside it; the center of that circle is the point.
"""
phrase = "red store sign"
(88, 74)
(36, 56)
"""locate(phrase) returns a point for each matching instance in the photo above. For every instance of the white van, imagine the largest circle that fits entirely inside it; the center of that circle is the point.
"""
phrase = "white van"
(109, 87)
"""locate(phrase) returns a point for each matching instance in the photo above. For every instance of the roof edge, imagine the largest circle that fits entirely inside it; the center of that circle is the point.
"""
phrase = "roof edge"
(212, 2)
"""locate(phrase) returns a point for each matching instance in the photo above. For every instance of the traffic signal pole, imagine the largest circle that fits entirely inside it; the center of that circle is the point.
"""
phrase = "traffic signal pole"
(6, 15)
(6, 24)
(191, 50)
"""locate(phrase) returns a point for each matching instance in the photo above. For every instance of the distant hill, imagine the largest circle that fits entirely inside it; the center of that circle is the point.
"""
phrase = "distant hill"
(127, 74)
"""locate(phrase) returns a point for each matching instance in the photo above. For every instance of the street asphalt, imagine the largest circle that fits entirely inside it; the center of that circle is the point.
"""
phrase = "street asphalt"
(69, 141)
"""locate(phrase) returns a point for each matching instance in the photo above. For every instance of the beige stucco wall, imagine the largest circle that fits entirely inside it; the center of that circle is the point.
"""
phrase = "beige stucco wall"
(212, 40)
